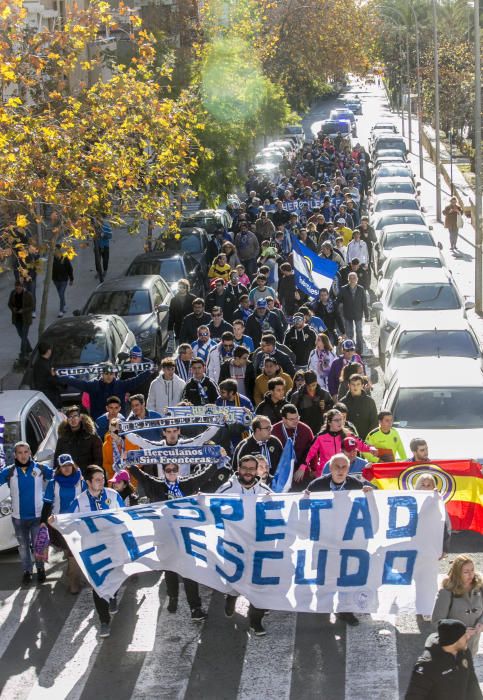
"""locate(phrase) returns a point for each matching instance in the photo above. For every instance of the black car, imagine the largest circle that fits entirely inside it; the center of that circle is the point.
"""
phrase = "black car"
(171, 268)
(193, 241)
(82, 341)
(143, 302)
(208, 219)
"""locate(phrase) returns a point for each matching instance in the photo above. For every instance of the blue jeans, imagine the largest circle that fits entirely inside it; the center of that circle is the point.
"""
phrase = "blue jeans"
(61, 287)
(349, 330)
(26, 532)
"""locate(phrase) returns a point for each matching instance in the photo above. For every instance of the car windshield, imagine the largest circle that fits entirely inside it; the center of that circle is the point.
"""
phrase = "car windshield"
(398, 239)
(209, 223)
(388, 204)
(334, 127)
(390, 142)
(397, 263)
(388, 187)
(11, 435)
(85, 346)
(436, 343)
(295, 130)
(423, 297)
(382, 152)
(342, 114)
(129, 302)
(398, 219)
(452, 408)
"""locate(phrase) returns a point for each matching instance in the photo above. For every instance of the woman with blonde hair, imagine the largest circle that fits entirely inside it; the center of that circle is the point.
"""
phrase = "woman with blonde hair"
(461, 598)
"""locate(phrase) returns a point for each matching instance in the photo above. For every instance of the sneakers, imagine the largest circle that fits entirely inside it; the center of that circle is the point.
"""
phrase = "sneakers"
(26, 578)
(172, 604)
(105, 630)
(349, 618)
(113, 606)
(198, 615)
(230, 602)
(258, 629)
(41, 576)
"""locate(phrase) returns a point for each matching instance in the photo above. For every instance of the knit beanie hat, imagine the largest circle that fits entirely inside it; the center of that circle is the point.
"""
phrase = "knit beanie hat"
(450, 631)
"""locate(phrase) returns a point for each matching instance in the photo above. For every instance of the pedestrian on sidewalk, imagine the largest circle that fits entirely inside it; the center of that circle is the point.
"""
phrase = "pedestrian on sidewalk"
(62, 275)
(453, 221)
(21, 304)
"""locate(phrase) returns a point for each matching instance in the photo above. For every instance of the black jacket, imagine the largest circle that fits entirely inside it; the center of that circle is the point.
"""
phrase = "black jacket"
(249, 376)
(352, 483)
(269, 409)
(256, 327)
(438, 675)
(190, 325)
(214, 299)
(354, 308)
(157, 489)
(249, 446)
(312, 409)
(362, 411)
(216, 333)
(179, 308)
(83, 445)
(62, 270)
(286, 294)
(283, 359)
(330, 315)
(192, 394)
(43, 380)
(232, 299)
(301, 342)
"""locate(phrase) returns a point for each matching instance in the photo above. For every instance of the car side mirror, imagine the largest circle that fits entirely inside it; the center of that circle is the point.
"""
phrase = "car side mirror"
(378, 306)
(123, 356)
(430, 228)
(469, 305)
(379, 275)
(76, 312)
(440, 245)
(161, 308)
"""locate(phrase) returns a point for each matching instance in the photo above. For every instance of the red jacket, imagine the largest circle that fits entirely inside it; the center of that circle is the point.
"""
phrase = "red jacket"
(327, 445)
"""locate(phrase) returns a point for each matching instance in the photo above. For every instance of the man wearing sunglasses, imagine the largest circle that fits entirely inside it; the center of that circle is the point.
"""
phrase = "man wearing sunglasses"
(203, 344)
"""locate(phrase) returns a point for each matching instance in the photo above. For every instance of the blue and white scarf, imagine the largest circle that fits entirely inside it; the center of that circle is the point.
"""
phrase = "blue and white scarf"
(174, 490)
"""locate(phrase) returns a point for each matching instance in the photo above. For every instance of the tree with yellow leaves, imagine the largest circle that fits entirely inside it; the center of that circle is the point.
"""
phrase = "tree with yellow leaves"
(120, 148)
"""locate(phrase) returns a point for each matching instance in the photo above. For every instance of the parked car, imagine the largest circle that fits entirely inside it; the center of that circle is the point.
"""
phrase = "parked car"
(440, 399)
(82, 341)
(391, 201)
(171, 268)
(354, 105)
(393, 185)
(209, 219)
(389, 141)
(331, 128)
(31, 417)
(143, 302)
(297, 131)
(390, 170)
(399, 255)
(455, 338)
(415, 293)
(388, 159)
(193, 241)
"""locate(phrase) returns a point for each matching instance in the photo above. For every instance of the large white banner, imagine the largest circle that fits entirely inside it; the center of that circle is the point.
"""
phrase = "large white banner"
(344, 551)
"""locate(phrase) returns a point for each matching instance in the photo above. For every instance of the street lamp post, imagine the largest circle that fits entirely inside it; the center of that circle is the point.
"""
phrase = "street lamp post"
(409, 106)
(436, 114)
(420, 97)
(478, 221)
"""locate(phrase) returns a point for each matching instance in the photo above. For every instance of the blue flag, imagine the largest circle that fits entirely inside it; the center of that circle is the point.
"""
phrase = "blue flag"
(311, 272)
(283, 476)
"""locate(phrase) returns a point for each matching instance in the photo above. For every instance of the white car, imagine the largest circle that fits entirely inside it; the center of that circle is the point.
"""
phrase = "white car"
(454, 338)
(406, 256)
(441, 401)
(31, 417)
(422, 295)
(394, 237)
(393, 185)
(394, 201)
(398, 217)
(388, 170)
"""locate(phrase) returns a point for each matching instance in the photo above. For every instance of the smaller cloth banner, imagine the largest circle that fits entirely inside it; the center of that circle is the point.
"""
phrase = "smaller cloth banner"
(203, 454)
(2, 442)
(131, 426)
(96, 370)
(233, 414)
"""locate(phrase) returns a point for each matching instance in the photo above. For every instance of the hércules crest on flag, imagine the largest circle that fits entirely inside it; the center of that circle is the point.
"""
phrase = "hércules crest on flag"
(459, 482)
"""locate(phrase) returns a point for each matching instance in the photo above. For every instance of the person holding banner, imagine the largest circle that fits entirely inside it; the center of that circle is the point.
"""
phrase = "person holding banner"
(260, 442)
(97, 498)
(246, 482)
(140, 412)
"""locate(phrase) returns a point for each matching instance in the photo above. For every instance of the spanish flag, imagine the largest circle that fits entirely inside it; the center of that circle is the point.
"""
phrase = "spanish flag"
(460, 483)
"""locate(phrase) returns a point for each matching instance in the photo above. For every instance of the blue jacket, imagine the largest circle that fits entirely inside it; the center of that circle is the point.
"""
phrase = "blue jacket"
(148, 434)
(26, 488)
(99, 391)
(62, 490)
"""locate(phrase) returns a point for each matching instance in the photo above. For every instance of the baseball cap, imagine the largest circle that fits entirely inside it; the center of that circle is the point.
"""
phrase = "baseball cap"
(107, 369)
(261, 304)
(136, 351)
(123, 475)
(348, 344)
(64, 459)
(269, 358)
(341, 222)
(349, 443)
(298, 316)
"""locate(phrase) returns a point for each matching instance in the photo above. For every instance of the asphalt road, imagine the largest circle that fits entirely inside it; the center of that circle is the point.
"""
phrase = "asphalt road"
(49, 647)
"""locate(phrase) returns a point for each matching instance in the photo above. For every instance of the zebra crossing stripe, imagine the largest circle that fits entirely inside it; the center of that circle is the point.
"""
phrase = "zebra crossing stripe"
(268, 660)
(66, 669)
(371, 660)
(167, 667)
(147, 605)
(14, 607)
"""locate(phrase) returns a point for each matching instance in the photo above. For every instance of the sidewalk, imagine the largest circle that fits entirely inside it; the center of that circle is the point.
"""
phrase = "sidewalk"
(124, 248)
